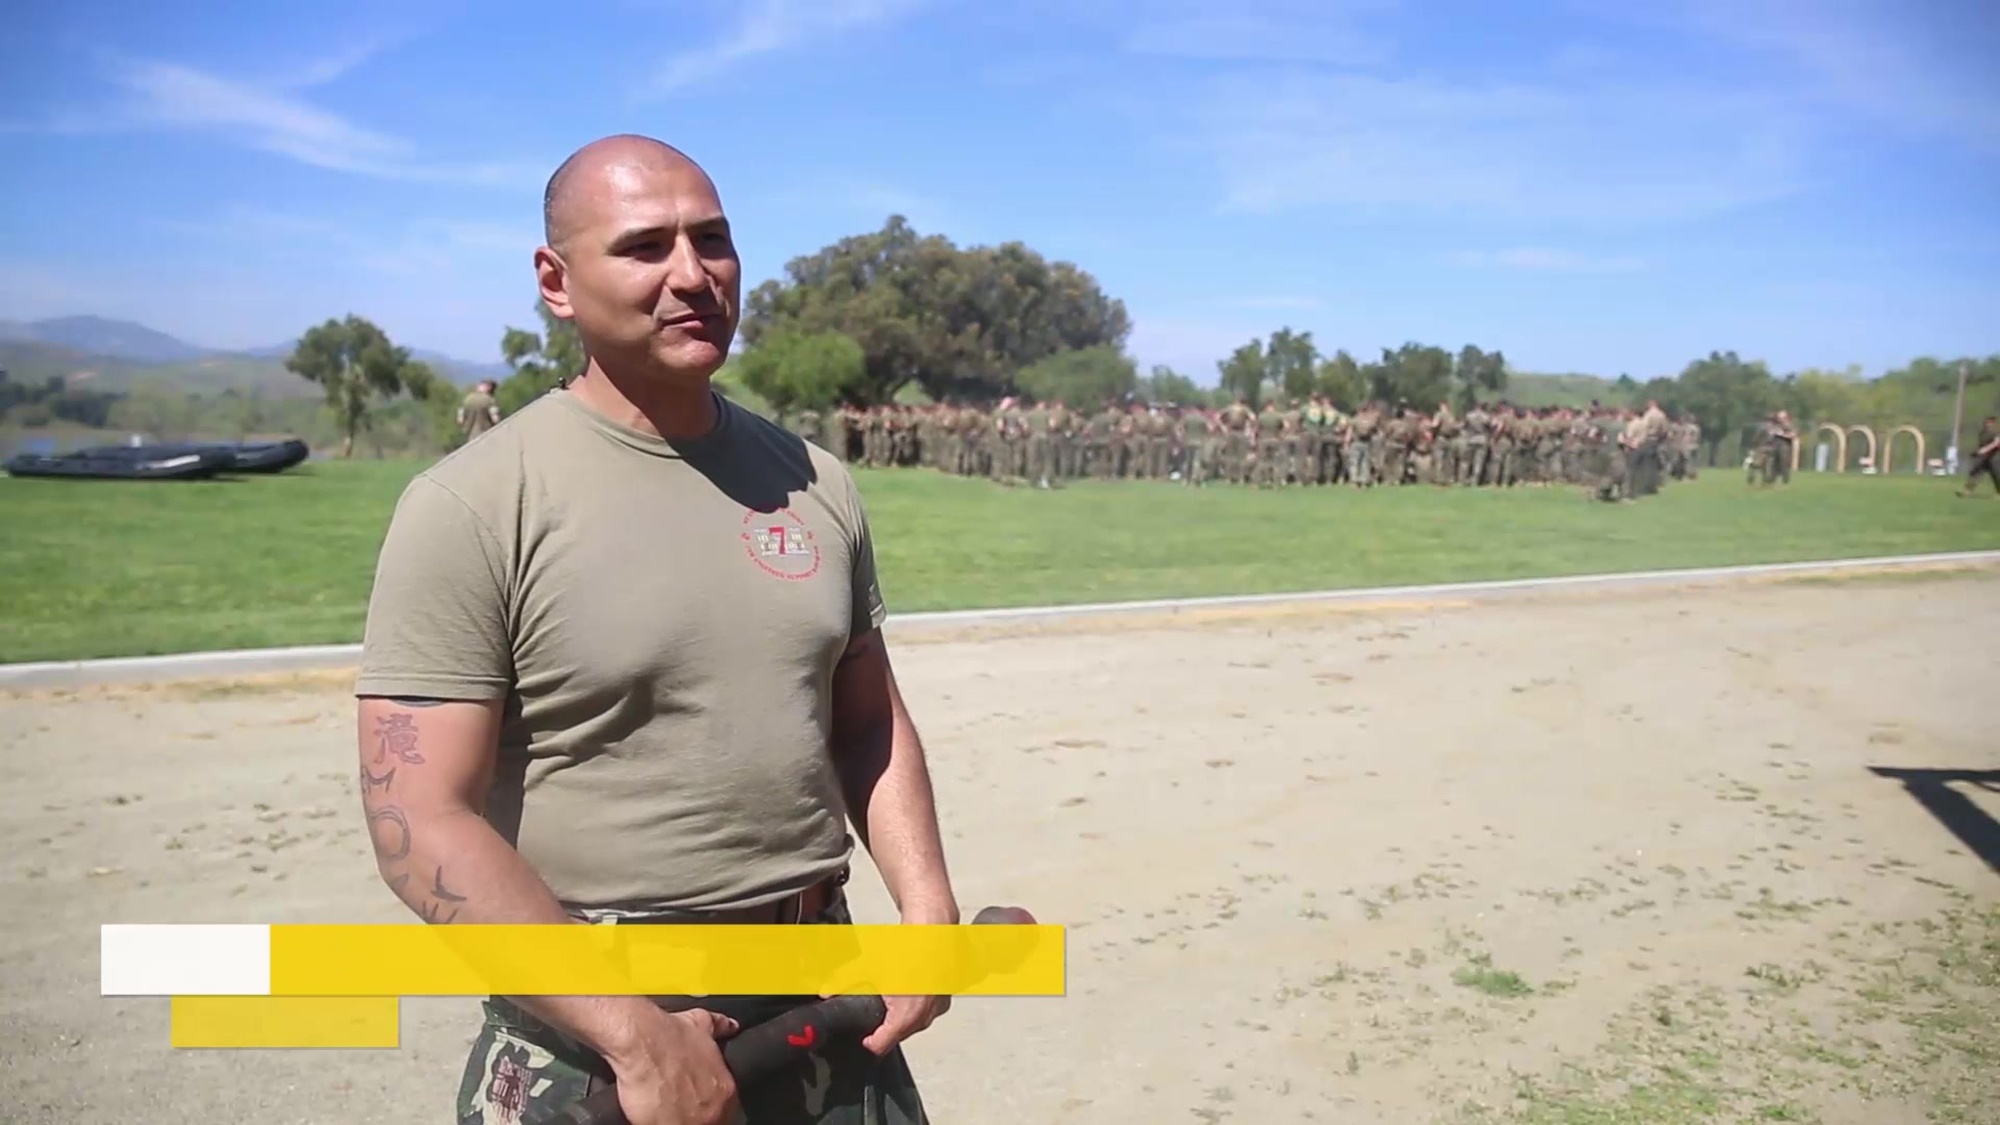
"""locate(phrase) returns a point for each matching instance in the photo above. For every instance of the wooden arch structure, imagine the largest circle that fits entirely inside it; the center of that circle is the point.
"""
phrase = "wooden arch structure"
(1839, 447)
(1889, 451)
(1874, 448)
(1840, 436)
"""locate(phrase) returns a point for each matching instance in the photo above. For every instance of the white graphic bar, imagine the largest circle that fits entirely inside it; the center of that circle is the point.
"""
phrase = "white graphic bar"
(184, 960)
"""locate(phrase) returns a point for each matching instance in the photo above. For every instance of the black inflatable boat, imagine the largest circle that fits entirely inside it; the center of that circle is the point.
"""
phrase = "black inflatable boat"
(140, 462)
(264, 456)
(184, 461)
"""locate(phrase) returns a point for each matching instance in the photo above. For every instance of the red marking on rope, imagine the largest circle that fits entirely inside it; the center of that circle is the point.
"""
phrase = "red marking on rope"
(805, 1040)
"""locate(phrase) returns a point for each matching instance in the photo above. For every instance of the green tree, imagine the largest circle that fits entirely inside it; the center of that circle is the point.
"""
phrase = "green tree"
(1341, 380)
(358, 367)
(1416, 375)
(790, 369)
(1082, 377)
(1291, 364)
(1243, 374)
(1476, 375)
(1167, 385)
(539, 361)
(957, 322)
(1725, 394)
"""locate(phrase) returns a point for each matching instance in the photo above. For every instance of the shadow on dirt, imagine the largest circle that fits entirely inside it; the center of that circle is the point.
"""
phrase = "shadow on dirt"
(1953, 809)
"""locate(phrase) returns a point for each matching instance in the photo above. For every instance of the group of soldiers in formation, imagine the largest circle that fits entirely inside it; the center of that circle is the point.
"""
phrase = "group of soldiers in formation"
(1617, 453)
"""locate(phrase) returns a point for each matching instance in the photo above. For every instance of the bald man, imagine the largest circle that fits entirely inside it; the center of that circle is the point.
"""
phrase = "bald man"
(623, 663)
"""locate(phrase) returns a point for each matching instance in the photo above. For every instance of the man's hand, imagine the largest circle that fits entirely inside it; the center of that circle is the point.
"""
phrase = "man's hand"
(907, 1016)
(673, 1074)
(910, 1014)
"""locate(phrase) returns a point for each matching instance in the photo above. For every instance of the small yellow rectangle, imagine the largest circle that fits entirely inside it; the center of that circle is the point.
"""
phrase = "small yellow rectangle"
(235, 1022)
(578, 960)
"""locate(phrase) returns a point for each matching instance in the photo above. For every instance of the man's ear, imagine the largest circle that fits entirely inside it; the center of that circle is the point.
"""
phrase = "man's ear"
(552, 278)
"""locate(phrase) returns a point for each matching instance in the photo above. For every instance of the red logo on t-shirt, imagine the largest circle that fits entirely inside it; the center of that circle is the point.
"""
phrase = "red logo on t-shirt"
(780, 543)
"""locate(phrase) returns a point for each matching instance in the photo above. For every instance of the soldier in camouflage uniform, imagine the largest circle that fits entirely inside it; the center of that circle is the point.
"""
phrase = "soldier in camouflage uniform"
(1361, 449)
(1339, 432)
(1447, 444)
(1423, 438)
(1393, 458)
(1066, 437)
(1158, 431)
(1506, 444)
(1478, 437)
(1292, 439)
(1194, 427)
(1237, 422)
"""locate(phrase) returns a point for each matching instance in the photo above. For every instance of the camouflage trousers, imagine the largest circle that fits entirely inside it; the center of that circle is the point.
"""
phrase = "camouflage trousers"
(521, 1068)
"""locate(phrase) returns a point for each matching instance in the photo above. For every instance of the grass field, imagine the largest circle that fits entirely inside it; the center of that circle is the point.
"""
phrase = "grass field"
(94, 569)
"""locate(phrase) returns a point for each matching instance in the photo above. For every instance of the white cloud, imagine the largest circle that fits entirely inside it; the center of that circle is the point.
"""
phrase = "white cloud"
(171, 96)
(769, 26)
(1546, 260)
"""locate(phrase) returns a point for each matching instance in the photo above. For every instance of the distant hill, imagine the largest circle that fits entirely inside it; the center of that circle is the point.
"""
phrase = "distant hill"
(461, 371)
(121, 355)
(27, 361)
(96, 335)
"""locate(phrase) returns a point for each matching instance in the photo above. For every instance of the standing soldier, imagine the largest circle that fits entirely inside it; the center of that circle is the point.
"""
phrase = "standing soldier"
(1194, 431)
(1063, 438)
(1291, 430)
(1655, 422)
(479, 411)
(1361, 451)
(1478, 435)
(1041, 447)
(1394, 446)
(1267, 449)
(811, 426)
(1312, 441)
(1985, 458)
(1097, 441)
(1339, 431)
(1503, 445)
(1447, 443)
(1159, 442)
(1423, 438)
(1237, 422)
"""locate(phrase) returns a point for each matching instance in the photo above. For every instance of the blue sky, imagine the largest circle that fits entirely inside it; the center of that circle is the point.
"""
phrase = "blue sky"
(1584, 184)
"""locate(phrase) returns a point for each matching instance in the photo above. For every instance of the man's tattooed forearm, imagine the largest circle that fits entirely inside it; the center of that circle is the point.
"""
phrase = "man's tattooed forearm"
(435, 911)
(371, 782)
(396, 736)
(389, 829)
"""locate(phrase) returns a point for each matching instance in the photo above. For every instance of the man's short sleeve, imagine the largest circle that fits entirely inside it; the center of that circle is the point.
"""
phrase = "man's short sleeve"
(437, 619)
(869, 605)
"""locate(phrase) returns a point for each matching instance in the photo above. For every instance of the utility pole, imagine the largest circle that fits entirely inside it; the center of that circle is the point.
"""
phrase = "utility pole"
(1957, 415)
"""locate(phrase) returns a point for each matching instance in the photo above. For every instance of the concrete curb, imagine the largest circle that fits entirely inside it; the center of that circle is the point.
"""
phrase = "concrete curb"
(71, 674)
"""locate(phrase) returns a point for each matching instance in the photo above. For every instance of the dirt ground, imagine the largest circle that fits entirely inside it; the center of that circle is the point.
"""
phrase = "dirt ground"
(1603, 857)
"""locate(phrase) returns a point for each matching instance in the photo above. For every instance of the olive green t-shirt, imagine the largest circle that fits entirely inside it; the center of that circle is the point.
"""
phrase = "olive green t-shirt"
(663, 620)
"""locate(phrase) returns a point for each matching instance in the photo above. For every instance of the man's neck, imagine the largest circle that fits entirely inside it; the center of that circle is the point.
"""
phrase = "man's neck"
(672, 411)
